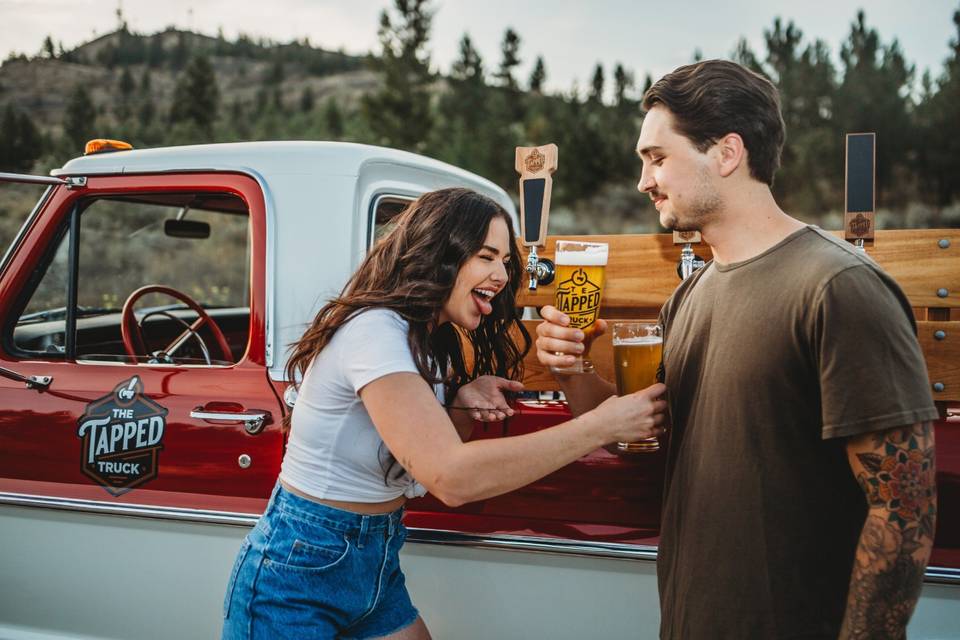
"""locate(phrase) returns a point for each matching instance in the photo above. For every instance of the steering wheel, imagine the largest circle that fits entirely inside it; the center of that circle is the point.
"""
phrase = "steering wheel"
(132, 335)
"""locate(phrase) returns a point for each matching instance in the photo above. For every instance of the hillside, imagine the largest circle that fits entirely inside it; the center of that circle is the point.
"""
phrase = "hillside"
(42, 87)
(176, 87)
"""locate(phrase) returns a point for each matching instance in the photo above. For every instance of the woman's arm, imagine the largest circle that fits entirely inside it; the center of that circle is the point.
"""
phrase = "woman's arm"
(420, 435)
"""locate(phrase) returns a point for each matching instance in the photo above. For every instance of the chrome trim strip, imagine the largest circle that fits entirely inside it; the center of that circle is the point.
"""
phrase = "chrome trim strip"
(179, 514)
(530, 544)
(28, 179)
(942, 575)
(561, 546)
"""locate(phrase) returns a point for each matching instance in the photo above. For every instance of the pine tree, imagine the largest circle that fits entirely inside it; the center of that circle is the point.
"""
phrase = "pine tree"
(874, 96)
(647, 83)
(196, 97)
(805, 78)
(307, 101)
(509, 50)
(509, 105)
(20, 141)
(148, 110)
(333, 119)
(460, 136)
(399, 113)
(538, 76)
(938, 114)
(596, 85)
(622, 83)
(80, 124)
(125, 95)
(155, 51)
(48, 49)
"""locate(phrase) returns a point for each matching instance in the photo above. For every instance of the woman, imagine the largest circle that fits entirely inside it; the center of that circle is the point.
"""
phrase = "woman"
(322, 561)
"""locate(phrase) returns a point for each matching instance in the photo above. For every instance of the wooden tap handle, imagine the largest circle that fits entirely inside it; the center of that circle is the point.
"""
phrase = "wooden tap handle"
(535, 166)
(860, 193)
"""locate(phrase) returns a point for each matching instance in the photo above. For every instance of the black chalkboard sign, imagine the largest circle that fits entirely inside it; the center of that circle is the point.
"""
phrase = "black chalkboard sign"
(533, 190)
(860, 172)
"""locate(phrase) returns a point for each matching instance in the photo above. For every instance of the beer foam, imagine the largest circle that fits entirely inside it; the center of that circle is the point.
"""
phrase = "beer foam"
(637, 341)
(594, 255)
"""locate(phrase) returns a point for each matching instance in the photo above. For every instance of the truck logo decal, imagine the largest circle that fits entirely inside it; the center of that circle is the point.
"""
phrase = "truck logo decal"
(121, 435)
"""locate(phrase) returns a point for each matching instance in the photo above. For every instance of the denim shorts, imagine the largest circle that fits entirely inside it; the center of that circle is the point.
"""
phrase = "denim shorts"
(307, 570)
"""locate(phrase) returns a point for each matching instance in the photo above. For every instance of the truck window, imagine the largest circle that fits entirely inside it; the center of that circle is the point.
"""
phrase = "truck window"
(385, 212)
(196, 245)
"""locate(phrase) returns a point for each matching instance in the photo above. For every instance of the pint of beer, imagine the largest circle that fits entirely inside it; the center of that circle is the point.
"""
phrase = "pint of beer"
(637, 352)
(580, 272)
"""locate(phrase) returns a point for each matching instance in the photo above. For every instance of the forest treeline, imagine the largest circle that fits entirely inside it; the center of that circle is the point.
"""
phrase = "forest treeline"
(475, 113)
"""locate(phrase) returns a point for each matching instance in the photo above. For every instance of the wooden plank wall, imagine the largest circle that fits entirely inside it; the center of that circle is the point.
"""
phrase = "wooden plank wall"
(641, 275)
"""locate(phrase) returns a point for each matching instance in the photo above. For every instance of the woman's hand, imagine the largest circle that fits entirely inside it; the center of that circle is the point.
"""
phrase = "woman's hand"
(484, 398)
(558, 343)
(632, 417)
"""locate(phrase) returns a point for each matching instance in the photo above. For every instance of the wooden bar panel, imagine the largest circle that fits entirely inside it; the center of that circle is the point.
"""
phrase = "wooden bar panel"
(942, 356)
(642, 269)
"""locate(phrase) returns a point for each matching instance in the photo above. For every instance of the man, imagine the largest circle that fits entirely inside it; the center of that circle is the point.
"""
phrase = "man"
(799, 498)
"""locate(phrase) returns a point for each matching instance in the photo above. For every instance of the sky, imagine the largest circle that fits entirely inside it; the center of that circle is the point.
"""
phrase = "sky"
(572, 36)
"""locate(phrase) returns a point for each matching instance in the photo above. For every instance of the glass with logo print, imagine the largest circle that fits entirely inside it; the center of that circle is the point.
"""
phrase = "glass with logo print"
(581, 268)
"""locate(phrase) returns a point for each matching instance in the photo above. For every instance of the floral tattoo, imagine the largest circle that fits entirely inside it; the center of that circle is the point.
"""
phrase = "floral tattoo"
(898, 479)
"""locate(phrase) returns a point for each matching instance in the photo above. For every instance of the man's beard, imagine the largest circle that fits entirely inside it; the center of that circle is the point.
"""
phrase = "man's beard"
(704, 208)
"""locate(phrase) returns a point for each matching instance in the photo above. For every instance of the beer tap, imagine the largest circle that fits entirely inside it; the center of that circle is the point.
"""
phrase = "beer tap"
(689, 261)
(860, 194)
(535, 166)
(540, 270)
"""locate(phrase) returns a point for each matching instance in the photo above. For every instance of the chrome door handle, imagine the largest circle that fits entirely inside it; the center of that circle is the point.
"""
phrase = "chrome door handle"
(253, 422)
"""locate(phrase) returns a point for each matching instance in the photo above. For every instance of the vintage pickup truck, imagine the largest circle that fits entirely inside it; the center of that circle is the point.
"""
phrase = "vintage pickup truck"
(146, 307)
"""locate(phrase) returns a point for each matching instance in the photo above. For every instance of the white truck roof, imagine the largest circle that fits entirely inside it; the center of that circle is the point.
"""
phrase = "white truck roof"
(320, 199)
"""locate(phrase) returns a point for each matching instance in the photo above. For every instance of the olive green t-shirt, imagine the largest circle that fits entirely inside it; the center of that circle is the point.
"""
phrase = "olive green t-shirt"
(769, 364)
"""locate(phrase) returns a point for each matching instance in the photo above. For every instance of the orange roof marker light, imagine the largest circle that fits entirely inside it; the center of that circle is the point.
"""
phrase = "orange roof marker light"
(103, 145)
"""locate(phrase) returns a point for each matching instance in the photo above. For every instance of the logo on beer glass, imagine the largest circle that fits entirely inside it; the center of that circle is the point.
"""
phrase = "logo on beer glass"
(579, 298)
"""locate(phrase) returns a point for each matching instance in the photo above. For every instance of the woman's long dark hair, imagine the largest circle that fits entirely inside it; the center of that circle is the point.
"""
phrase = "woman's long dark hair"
(412, 271)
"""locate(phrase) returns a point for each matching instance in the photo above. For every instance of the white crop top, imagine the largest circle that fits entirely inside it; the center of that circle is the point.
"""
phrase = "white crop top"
(334, 451)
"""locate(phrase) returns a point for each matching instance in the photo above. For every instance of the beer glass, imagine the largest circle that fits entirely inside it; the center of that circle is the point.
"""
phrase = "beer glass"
(580, 272)
(637, 352)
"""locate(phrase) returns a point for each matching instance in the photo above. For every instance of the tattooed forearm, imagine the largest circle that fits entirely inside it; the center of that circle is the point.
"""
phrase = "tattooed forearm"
(884, 586)
(896, 472)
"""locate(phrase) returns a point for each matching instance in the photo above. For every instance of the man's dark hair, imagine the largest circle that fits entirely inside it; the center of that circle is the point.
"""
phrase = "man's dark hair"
(712, 98)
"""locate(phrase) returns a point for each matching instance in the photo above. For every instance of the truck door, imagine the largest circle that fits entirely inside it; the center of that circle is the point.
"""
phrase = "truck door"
(139, 301)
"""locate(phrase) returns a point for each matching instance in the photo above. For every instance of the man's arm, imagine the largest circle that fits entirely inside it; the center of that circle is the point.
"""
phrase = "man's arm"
(557, 344)
(895, 468)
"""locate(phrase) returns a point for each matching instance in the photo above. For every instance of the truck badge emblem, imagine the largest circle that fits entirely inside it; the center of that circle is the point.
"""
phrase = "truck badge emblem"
(121, 435)
(579, 298)
(860, 225)
(535, 161)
